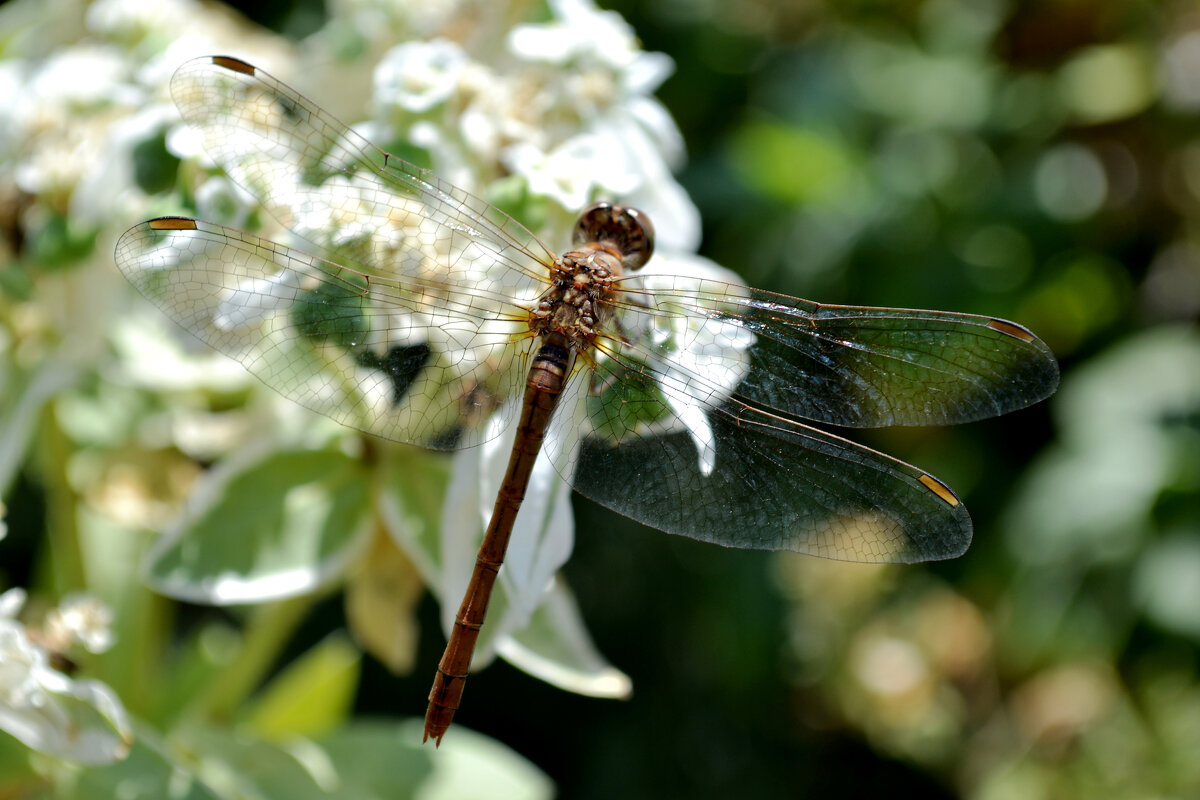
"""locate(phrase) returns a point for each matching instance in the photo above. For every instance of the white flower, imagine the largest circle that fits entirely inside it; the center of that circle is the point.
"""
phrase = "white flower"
(125, 20)
(20, 659)
(11, 603)
(676, 218)
(707, 357)
(221, 200)
(153, 355)
(250, 304)
(80, 619)
(378, 20)
(427, 16)
(502, 110)
(13, 76)
(104, 186)
(582, 32)
(79, 720)
(82, 76)
(542, 536)
(596, 62)
(55, 116)
(418, 76)
(448, 160)
(596, 73)
(573, 170)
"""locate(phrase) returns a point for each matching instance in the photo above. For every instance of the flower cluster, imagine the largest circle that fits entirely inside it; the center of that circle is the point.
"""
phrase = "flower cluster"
(81, 720)
(539, 118)
(568, 108)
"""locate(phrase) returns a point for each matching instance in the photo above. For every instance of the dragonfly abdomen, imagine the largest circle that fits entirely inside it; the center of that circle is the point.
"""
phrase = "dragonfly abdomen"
(544, 385)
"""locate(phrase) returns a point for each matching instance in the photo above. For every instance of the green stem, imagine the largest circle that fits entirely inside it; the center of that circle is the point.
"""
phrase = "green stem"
(266, 632)
(63, 556)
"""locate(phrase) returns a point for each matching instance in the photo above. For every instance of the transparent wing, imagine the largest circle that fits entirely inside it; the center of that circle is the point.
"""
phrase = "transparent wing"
(331, 186)
(680, 416)
(738, 476)
(685, 420)
(843, 365)
(408, 359)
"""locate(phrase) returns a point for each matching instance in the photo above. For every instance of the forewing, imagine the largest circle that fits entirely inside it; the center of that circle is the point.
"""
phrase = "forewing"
(842, 365)
(337, 190)
(406, 359)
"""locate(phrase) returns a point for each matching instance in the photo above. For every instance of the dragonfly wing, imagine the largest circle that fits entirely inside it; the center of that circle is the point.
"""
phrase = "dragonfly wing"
(687, 419)
(395, 357)
(842, 365)
(738, 476)
(337, 190)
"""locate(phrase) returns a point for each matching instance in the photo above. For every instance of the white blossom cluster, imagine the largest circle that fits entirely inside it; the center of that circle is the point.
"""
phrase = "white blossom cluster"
(568, 107)
(80, 720)
(563, 108)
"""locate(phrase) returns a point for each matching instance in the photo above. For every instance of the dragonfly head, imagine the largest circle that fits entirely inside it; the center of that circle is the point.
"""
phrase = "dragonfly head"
(621, 228)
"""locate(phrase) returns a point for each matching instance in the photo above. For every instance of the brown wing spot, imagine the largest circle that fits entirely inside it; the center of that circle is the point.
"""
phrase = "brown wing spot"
(1013, 330)
(235, 64)
(172, 224)
(940, 489)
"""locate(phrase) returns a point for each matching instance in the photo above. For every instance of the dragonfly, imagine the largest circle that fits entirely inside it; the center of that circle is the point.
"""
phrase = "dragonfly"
(426, 315)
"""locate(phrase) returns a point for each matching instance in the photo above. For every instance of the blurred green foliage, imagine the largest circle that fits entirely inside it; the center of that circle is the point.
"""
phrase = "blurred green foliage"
(1028, 160)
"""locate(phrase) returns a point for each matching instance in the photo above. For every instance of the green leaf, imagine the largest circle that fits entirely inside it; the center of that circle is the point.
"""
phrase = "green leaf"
(18, 775)
(511, 195)
(467, 764)
(22, 398)
(792, 164)
(149, 773)
(1165, 585)
(313, 695)
(401, 364)
(57, 243)
(626, 405)
(382, 595)
(371, 760)
(200, 660)
(15, 283)
(335, 312)
(154, 167)
(410, 489)
(80, 721)
(239, 765)
(555, 647)
(273, 526)
(412, 153)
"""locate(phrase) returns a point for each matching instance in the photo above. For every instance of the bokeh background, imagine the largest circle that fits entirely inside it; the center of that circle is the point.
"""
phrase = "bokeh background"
(1036, 161)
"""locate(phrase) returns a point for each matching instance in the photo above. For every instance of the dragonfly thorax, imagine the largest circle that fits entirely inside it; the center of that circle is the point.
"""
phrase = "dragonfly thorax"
(578, 298)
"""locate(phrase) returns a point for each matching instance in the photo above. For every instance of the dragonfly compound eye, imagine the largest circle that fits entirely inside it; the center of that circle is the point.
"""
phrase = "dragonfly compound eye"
(622, 228)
